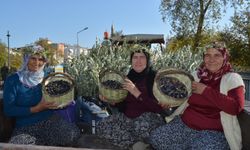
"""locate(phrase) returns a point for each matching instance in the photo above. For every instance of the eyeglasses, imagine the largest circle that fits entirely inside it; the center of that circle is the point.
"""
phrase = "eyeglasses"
(36, 59)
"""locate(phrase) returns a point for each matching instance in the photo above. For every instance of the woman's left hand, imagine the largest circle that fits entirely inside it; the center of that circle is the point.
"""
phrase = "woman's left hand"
(130, 86)
(43, 105)
(164, 106)
(198, 87)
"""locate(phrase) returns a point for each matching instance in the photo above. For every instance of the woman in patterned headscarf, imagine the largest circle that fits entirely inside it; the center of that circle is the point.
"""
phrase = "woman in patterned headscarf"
(35, 121)
(208, 119)
(139, 111)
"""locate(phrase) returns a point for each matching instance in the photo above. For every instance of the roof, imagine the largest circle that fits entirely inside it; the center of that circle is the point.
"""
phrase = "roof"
(138, 38)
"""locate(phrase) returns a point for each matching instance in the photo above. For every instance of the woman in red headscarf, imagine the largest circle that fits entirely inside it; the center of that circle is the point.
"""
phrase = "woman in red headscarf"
(208, 119)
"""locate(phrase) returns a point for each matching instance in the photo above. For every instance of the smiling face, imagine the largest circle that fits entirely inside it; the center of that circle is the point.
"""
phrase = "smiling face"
(139, 62)
(35, 63)
(213, 60)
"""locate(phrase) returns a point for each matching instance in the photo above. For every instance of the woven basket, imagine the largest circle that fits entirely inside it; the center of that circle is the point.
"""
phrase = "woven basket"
(63, 99)
(112, 95)
(181, 76)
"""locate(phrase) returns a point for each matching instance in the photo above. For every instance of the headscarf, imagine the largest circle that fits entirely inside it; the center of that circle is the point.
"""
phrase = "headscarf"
(147, 72)
(27, 77)
(204, 74)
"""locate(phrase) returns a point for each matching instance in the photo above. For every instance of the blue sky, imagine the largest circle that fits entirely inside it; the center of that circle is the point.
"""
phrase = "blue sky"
(60, 20)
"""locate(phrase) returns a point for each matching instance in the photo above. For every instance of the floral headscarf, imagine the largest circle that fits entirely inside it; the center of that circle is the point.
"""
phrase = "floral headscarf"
(27, 77)
(204, 74)
(147, 72)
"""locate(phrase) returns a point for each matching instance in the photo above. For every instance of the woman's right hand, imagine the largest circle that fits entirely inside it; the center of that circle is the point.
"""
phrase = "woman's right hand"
(198, 87)
(102, 98)
(43, 105)
(164, 106)
(130, 86)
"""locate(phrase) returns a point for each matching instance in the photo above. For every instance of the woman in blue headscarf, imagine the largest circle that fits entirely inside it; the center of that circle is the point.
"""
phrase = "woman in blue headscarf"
(35, 121)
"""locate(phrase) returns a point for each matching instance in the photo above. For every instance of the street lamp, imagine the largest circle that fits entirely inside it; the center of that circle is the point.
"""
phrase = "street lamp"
(78, 51)
(8, 35)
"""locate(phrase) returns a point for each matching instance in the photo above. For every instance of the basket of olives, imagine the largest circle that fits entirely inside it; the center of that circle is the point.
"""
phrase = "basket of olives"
(172, 86)
(58, 87)
(110, 86)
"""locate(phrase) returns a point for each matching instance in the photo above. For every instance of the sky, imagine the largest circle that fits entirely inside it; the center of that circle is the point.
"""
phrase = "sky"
(60, 20)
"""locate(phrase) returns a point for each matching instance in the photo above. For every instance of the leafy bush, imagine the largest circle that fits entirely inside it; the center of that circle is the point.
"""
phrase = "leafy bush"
(183, 59)
(85, 69)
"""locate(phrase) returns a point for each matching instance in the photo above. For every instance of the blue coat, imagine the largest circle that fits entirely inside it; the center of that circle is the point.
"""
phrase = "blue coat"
(18, 99)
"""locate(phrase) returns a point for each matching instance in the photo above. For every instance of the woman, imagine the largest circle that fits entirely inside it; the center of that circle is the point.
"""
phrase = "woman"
(138, 111)
(210, 113)
(35, 121)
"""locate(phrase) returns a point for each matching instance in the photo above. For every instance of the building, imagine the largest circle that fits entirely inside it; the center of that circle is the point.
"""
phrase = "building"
(71, 51)
(146, 39)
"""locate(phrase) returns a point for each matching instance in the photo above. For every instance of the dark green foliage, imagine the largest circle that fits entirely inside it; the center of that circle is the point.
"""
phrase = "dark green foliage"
(192, 18)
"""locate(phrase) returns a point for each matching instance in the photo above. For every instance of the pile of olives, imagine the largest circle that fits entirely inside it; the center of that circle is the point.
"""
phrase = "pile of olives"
(112, 84)
(172, 87)
(57, 87)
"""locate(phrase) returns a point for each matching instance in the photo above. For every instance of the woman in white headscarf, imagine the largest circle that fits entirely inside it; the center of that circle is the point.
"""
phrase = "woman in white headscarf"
(35, 121)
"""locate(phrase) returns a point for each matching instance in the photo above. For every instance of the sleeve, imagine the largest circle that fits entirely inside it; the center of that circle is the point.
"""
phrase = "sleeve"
(232, 103)
(10, 93)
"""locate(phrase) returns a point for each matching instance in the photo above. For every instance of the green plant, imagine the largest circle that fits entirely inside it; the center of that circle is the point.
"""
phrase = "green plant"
(86, 68)
(183, 59)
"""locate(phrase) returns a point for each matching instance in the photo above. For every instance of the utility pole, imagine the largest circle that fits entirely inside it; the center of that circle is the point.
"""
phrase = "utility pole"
(8, 36)
(77, 40)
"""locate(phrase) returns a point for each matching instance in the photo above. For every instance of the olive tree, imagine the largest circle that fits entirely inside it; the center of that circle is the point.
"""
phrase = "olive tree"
(189, 17)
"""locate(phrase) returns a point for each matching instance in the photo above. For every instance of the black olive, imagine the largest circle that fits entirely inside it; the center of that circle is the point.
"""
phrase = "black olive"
(172, 87)
(112, 84)
(57, 87)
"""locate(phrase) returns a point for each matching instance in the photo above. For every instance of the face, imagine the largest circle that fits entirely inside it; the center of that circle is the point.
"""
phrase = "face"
(35, 63)
(213, 60)
(139, 62)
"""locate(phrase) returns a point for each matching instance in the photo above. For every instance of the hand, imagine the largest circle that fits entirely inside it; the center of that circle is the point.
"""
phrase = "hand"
(43, 105)
(164, 106)
(102, 98)
(198, 87)
(130, 86)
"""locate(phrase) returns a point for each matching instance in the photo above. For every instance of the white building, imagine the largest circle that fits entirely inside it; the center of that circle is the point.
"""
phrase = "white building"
(71, 51)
